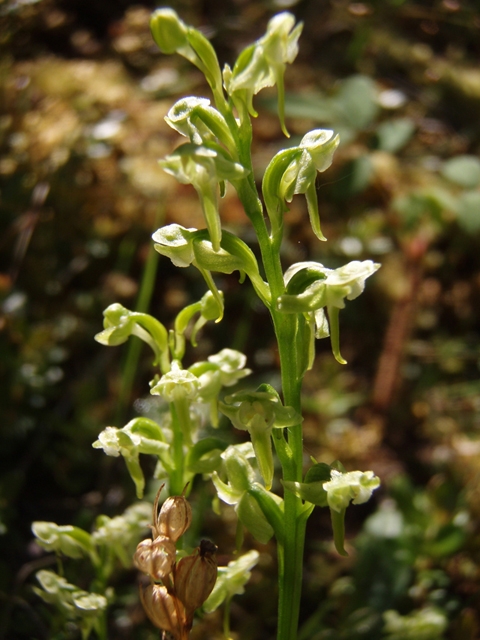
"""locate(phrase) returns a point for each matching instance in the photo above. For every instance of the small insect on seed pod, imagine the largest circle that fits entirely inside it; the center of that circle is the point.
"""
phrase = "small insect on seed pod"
(163, 609)
(195, 577)
(174, 518)
(155, 557)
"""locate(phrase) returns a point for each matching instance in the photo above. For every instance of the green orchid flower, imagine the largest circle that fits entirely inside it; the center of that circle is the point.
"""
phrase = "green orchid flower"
(223, 369)
(121, 323)
(311, 288)
(334, 487)
(263, 64)
(187, 247)
(257, 509)
(140, 435)
(294, 171)
(231, 580)
(259, 412)
(205, 166)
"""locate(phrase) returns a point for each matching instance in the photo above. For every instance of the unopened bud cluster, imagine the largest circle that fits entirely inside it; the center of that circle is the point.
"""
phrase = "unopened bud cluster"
(177, 588)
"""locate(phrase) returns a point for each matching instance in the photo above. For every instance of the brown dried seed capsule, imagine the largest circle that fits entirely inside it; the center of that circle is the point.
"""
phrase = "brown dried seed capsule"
(195, 577)
(155, 557)
(163, 609)
(174, 519)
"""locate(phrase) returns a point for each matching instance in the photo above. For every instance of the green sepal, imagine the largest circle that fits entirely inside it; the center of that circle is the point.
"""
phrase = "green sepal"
(312, 492)
(320, 471)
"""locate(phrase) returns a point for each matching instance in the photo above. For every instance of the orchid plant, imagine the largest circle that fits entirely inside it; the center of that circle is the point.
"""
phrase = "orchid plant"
(303, 300)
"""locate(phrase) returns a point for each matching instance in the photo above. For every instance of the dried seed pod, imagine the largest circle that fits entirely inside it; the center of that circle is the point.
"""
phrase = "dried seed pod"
(155, 557)
(174, 519)
(195, 577)
(163, 609)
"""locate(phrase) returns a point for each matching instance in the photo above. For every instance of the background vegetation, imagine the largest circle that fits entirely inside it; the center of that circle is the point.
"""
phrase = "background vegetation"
(83, 95)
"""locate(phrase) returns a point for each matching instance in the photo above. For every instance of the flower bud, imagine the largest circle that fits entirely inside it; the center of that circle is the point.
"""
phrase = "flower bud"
(174, 519)
(168, 31)
(155, 557)
(195, 577)
(162, 608)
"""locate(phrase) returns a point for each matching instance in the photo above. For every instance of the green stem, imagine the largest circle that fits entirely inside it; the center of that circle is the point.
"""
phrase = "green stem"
(177, 476)
(290, 552)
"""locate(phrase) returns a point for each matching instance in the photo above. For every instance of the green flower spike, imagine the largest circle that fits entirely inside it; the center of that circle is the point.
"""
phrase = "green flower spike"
(205, 167)
(191, 246)
(242, 489)
(294, 171)
(258, 412)
(311, 288)
(121, 323)
(172, 35)
(263, 64)
(194, 118)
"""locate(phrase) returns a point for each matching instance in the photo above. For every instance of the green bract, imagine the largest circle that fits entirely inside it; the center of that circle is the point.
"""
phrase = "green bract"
(204, 167)
(263, 64)
(258, 412)
(293, 171)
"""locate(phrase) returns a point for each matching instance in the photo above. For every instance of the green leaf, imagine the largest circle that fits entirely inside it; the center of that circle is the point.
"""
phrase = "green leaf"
(468, 212)
(462, 170)
(394, 134)
(357, 100)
